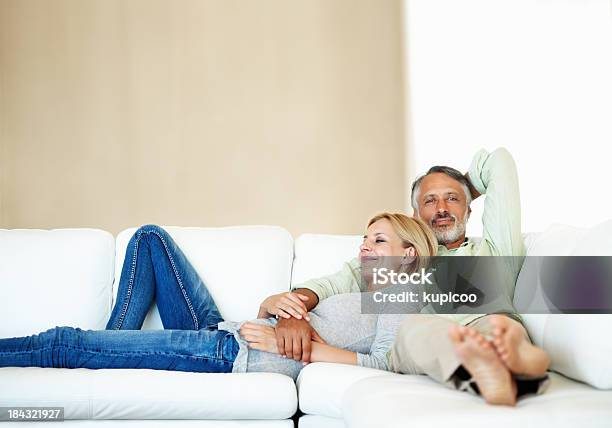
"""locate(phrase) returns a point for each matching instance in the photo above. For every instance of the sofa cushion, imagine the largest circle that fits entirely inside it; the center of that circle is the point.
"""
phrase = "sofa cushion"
(579, 345)
(596, 241)
(240, 265)
(54, 277)
(316, 421)
(150, 394)
(320, 255)
(321, 386)
(556, 240)
(400, 401)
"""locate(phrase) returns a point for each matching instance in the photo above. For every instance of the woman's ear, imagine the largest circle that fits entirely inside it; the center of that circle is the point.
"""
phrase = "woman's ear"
(410, 255)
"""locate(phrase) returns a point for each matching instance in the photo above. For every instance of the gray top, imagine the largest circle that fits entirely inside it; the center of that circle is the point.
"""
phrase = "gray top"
(339, 321)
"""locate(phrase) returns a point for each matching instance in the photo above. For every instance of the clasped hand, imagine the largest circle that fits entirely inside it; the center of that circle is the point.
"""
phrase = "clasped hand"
(286, 305)
(263, 337)
(260, 337)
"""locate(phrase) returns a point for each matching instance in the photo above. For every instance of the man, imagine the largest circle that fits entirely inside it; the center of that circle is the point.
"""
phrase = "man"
(491, 351)
(442, 199)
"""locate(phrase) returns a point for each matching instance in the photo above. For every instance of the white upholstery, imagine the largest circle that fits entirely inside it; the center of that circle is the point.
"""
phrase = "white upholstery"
(579, 345)
(597, 241)
(54, 277)
(240, 265)
(150, 394)
(415, 401)
(320, 255)
(174, 423)
(316, 421)
(557, 240)
(319, 396)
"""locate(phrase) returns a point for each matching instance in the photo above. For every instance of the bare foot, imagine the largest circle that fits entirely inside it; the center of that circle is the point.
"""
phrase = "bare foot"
(517, 353)
(482, 362)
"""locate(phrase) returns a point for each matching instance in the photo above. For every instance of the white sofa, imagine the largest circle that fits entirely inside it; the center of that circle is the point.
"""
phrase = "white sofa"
(65, 277)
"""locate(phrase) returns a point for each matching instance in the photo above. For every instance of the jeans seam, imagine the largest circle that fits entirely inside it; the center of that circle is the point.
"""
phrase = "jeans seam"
(180, 281)
(124, 308)
(128, 296)
(119, 353)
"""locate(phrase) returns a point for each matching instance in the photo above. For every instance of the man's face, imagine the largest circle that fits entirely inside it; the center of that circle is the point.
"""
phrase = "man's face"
(442, 204)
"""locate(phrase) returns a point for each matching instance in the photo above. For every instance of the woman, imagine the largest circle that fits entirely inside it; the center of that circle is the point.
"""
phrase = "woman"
(196, 338)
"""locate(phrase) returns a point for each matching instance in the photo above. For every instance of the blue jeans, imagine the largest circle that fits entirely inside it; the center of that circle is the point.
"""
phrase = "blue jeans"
(154, 269)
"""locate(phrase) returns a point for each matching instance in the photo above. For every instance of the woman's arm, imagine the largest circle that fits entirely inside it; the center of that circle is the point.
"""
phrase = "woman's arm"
(263, 338)
(322, 352)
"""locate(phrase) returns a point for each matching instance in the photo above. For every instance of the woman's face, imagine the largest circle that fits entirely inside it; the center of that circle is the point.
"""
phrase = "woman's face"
(381, 240)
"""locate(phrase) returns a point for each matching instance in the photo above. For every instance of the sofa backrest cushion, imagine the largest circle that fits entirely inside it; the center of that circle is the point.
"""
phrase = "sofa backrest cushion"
(319, 255)
(579, 345)
(53, 278)
(240, 265)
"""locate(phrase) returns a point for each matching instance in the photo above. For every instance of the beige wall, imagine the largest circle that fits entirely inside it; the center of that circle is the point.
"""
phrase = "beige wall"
(200, 113)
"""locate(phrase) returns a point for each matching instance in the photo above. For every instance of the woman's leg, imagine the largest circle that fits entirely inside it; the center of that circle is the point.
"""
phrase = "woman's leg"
(156, 268)
(210, 351)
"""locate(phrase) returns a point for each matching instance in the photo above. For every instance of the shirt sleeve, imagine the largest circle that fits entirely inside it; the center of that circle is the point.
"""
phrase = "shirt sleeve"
(386, 330)
(347, 280)
(494, 175)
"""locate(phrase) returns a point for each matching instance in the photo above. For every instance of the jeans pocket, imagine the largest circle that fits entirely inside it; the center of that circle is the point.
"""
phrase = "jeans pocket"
(228, 346)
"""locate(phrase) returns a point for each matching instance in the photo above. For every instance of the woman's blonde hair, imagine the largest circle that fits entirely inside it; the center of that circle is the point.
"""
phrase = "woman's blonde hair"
(414, 233)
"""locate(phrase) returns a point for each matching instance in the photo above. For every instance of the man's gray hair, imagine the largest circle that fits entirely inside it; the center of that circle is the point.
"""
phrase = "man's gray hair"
(451, 172)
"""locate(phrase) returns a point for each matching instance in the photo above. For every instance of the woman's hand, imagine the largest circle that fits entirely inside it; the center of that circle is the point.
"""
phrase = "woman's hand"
(285, 305)
(260, 337)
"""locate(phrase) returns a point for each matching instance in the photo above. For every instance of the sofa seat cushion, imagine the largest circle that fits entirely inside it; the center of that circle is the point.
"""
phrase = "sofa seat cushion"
(321, 386)
(406, 401)
(316, 421)
(150, 394)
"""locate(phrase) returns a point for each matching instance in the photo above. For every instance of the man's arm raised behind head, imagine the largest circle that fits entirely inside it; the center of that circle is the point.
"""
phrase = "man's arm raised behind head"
(494, 175)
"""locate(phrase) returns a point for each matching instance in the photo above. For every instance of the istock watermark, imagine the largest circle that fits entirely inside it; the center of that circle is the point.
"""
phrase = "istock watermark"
(486, 284)
(386, 276)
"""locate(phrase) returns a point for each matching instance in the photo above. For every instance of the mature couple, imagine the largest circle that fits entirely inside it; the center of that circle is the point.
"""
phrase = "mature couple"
(321, 320)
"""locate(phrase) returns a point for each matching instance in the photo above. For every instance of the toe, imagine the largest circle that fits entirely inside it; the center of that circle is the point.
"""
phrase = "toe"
(454, 333)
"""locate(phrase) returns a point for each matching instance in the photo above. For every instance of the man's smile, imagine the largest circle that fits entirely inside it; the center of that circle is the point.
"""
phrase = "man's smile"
(443, 221)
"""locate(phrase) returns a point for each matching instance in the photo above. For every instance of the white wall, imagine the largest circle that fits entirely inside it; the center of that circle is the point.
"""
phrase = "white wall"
(534, 76)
